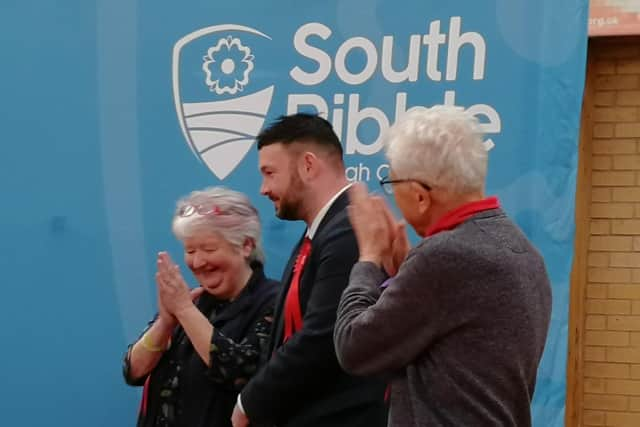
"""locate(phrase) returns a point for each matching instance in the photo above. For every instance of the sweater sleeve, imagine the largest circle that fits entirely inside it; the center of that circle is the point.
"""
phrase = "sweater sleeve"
(378, 333)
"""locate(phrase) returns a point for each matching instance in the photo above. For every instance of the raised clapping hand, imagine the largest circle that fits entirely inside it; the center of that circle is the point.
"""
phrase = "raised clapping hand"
(173, 292)
(381, 238)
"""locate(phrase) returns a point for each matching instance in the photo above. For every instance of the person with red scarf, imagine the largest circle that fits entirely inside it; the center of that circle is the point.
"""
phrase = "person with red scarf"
(458, 322)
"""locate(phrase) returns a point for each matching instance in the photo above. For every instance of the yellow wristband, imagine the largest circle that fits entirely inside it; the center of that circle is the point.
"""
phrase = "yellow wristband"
(149, 346)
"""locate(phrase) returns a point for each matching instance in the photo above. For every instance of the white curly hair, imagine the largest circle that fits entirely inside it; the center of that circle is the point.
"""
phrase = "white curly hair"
(223, 211)
(440, 146)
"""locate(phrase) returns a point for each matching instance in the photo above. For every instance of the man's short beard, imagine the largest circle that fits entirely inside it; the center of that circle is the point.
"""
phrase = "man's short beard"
(291, 202)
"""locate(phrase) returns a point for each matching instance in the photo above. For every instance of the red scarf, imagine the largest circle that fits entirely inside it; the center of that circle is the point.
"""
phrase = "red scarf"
(459, 215)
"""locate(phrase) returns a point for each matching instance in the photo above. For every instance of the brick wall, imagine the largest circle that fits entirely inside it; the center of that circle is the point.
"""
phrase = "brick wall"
(611, 340)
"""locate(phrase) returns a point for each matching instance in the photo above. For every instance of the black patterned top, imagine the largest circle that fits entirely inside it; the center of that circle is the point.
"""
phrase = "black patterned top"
(182, 390)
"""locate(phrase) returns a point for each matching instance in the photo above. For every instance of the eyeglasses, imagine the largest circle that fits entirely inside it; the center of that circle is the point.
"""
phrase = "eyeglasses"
(188, 210)
(387, 184)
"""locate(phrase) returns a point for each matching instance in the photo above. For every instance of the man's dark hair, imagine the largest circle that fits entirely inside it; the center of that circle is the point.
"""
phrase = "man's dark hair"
(301, 127)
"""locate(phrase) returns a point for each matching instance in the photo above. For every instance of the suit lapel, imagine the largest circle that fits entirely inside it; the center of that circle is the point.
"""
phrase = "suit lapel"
(278, 326)
(338, 206)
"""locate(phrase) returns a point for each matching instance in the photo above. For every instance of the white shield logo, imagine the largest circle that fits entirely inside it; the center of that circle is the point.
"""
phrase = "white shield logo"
(211, 74)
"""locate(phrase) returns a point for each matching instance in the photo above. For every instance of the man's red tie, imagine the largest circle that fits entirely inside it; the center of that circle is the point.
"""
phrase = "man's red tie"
(292, 310)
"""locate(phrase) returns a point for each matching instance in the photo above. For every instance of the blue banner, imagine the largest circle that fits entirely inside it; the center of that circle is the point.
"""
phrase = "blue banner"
(114, 109)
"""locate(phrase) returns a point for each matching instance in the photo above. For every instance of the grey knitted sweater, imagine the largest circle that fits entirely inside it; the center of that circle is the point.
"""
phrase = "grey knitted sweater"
(459, 330)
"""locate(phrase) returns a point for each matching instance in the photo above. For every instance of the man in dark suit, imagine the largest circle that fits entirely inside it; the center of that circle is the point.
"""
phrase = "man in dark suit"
(302, 384)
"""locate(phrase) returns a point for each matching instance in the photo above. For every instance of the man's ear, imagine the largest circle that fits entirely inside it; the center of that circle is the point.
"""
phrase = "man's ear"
(422, 197)
(308, 165)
